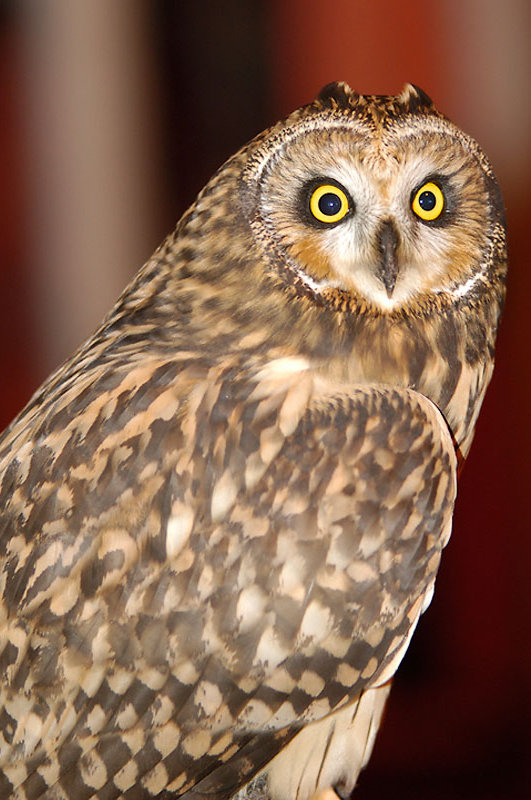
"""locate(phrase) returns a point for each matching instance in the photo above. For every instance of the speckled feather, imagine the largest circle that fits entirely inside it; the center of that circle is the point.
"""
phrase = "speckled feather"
(222, 518)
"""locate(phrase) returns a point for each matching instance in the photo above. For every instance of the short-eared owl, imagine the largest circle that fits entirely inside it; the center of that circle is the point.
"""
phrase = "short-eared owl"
(221, 519)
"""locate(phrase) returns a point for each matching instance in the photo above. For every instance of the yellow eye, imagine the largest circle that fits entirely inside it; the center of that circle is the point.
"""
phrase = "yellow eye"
(328, 203)
(428, 202)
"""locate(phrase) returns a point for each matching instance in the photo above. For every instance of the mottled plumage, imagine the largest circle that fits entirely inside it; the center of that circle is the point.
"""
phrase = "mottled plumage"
(221, 519)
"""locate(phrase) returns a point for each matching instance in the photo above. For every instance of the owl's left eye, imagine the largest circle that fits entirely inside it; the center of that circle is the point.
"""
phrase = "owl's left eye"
(329, 203)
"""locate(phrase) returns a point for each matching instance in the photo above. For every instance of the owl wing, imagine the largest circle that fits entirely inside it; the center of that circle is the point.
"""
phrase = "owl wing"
(187, 583)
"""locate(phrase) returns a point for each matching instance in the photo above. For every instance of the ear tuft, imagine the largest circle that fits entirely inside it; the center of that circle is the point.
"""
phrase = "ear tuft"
(414, 99)
(337, 94)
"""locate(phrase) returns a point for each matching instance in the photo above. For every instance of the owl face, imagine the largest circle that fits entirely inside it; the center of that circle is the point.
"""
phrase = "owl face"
(395, 211)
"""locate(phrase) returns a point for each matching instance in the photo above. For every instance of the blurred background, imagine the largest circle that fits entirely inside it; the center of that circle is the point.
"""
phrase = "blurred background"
(112, 117)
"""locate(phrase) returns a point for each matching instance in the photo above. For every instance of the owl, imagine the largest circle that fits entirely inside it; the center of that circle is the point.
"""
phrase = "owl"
(222, 518)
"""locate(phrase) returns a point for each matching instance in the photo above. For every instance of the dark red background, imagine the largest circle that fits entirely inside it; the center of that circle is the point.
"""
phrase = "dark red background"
(457, 725)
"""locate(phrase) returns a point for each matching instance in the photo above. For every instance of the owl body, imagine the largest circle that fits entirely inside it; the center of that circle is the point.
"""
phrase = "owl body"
(223, 517)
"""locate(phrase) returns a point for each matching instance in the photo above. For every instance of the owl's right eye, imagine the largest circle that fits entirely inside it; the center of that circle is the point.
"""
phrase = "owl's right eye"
(329, 204)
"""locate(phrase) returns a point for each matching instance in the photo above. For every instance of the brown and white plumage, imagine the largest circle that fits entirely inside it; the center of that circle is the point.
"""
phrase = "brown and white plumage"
(222, 518)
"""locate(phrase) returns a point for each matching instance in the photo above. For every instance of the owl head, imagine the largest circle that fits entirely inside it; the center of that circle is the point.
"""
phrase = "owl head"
(381, 199)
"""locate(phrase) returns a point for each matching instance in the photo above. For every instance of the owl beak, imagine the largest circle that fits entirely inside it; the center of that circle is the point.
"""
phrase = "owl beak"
(388, 241)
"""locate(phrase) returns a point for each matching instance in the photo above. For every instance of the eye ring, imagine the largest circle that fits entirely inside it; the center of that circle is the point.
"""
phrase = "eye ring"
(329, 203)
(428, 202)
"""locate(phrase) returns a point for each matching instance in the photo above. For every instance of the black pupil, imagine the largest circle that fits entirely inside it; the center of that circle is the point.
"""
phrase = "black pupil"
(329, 204)
(427, 201)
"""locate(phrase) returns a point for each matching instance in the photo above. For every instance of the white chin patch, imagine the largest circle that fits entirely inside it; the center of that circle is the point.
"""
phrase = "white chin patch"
(375, 292)
(368, 288)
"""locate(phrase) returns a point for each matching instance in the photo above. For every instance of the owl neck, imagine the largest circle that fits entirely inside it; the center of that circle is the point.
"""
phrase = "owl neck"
(446, 355)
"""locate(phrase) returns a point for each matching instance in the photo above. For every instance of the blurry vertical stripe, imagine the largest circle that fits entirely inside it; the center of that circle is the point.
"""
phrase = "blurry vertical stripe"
(213, 67)
(93, 142)
(491, 64)
(17, 376)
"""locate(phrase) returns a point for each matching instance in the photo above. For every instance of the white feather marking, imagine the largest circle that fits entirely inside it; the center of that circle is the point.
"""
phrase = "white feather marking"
(280, 367)
(270, 651)
(462, 289)
(250, 607)
(208, 697)
(316, 621)
(179, 528)
(223, 496)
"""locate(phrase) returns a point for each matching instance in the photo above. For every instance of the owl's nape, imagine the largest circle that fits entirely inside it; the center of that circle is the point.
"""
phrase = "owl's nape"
(222, 518)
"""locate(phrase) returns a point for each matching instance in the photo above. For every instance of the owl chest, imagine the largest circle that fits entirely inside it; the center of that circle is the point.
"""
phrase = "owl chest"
(391, 355)
(428, 358)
